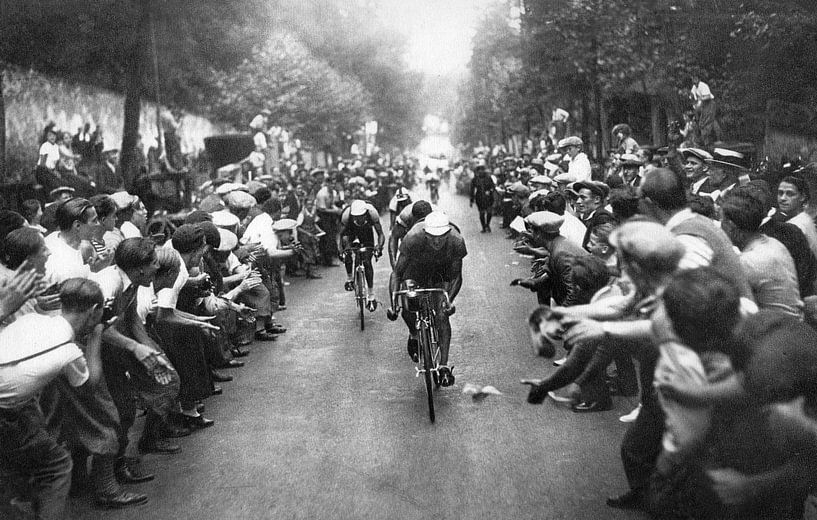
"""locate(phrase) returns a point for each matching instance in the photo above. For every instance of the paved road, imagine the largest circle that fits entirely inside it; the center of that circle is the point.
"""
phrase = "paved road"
(330, 422)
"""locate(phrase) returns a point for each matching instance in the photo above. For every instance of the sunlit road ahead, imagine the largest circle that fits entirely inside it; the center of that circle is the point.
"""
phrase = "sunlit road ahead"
(330, 422)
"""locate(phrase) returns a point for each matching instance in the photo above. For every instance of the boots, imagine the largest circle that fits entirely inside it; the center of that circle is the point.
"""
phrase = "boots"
(108, 493)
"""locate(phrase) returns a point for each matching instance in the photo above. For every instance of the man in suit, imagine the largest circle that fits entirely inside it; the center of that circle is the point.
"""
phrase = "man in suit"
(108, 174)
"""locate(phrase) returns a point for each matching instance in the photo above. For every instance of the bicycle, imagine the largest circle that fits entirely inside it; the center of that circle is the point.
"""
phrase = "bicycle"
(422, 303)
(359, 277)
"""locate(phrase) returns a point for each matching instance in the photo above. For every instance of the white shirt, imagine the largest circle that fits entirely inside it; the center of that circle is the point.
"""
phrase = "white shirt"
(806, 224)
(573, 229)
(113, 281)
(65, 262)
(22, 379)
(697, 252)
(168, 297)
(260, 231)
(129, 230)
(52, 154)
(112, 239)
(260, 140)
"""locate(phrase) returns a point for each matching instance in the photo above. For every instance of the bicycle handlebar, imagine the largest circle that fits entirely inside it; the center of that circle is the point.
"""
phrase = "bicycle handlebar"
(431, 290)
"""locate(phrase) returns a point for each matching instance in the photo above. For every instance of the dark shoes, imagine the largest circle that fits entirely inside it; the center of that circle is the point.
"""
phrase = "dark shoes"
(217, 390)
(264, 335)
(237, 352)
(412, 347)
(119, 500)
(537, 394)
(349, 286)
(128, 471)
(158, 446)
(232, 364)
(218, 377)
(313, 276)
(169, 430)
(593, 406)
(198, 423)
(276, 329)
(632, 499)
(371, 305)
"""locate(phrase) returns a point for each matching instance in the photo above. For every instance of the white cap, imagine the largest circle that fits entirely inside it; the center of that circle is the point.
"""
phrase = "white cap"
(224, 218)
(437, 223)
(358, 208)
(123, 199)
(284, 224)
(228, 240)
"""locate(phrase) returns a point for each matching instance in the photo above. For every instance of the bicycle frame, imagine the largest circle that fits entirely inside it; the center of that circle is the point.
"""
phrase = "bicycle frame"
(359, 279)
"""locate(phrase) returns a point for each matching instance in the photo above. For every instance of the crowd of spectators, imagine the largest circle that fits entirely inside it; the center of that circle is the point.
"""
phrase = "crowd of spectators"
(107, 309)
(686, 278)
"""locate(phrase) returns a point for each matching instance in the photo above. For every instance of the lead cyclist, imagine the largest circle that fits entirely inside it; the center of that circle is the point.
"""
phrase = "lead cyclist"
(431, 254)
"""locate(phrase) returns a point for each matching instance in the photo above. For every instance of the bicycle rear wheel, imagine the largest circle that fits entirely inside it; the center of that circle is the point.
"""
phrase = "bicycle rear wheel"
(428, 365)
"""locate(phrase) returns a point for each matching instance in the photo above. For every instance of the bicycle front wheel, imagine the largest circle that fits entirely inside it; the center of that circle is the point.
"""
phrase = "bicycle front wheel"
(360, 294)
(428, 366)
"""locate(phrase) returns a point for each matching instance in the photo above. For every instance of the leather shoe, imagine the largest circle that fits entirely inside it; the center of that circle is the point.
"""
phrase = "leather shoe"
(119, 500)
(199, 422)
(265, 335)
(537, 394)
(276, 329)
(233, 364)
(592, 406)
(128, 471)
(159, 446)
(217, 390)
(173, 431)
(632, 499)
(218, 377)
(237, 352)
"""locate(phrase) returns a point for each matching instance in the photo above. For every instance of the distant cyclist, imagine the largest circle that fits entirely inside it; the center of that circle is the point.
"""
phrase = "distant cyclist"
(410, 215)
(431, 254)
(359, 222)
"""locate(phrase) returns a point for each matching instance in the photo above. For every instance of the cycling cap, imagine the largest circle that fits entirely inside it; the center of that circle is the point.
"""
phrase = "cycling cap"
(437, 223)
(228, 240)
(358, 208)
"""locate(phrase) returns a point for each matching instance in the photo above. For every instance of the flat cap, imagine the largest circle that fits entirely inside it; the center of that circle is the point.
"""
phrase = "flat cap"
(123, 199)
(239, 200)
(284, 224)
(570, 141)
(630, 159)
(701, 154)
(545, 221)
(596, 188)
(519, 189)
(228, 240)
(649, 245)
(540, 179)
(224, 218)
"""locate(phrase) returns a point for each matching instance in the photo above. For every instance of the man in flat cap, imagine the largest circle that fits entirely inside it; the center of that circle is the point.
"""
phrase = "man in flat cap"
(697, 170)
(591, 199)
(579, 165)
(551, 272)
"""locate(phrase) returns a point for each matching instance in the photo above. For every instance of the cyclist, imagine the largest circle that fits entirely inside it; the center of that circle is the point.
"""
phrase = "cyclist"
(359, 221)
(433, 185)
(410, 215)
(431, 254)
(398, 202)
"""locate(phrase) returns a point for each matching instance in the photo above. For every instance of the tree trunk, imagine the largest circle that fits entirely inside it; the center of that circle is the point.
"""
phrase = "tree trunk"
(133, 96)
(597, 120)
(658, 129)
(586, 124)
(3, 177)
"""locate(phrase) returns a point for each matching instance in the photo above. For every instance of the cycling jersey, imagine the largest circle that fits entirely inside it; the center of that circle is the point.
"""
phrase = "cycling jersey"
(428, 266)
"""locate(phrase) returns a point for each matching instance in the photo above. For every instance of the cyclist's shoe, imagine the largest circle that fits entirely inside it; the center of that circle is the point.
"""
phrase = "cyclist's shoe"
(371, 305)
(349, 285)
(413, 348)
(446, 377)
(391, 314)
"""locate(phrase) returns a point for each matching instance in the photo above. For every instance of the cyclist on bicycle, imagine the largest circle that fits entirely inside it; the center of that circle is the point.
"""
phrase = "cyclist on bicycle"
(411, 214)
(431, 254)
(359, 222)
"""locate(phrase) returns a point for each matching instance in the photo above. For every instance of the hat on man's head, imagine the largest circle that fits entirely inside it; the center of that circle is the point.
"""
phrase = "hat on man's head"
(284, 224)
(727, 158)
(53, 194)
(545, 221)
(357, 208)
(649, 245)
(630, 159)
(228, 187)
(110, 150)
(519, 189)
(240, 200)
(570, 141)
(437, 223)
(123, 199)
(700, 153)
(540, 179)
(255, 185)
(224, 219)
(596, 188)
(228, 240)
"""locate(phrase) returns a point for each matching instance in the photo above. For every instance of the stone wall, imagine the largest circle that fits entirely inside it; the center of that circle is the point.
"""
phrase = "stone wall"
(33, 99)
